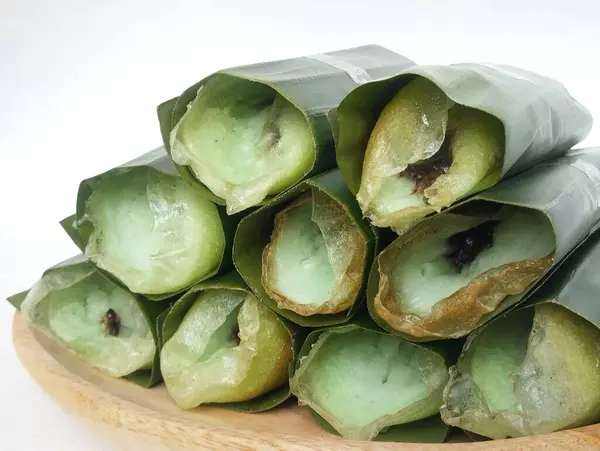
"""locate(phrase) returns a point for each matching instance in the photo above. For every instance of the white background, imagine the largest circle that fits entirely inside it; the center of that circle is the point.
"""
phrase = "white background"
(80, 80)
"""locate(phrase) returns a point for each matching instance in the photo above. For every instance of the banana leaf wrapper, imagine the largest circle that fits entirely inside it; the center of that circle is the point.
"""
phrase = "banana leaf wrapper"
(149, 309)
(173, 318)
(254, 233)
(564, 190)
(80, 228)
(540, 118)
(313, 84)
(430, 429)
(552, 350)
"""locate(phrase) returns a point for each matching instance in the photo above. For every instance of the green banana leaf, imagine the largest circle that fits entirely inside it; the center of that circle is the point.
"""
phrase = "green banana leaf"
(69, 225)
(541, 120)
(151, 311)
(17, 299)
(566, 190)
(314, 84)
(575, 284)
(254, 232)
(174, 316)
(427, 430)
(80, 230)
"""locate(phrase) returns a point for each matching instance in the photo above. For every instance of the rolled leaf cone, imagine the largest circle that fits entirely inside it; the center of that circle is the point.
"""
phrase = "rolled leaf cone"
(142, 223)
(454, 271)
(360, 381)
(535, 370)
(248, 133)
(306, 253)
(221, 345)
(415, 143)
(81, 309)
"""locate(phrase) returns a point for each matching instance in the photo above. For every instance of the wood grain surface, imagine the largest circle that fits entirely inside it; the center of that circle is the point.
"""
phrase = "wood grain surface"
(131, 418)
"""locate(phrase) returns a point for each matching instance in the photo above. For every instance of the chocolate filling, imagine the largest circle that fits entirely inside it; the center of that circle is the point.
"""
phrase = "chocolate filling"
(424, 173)
(112, 323)
(271, 131)
(236, 335)
(463, 247)
(270, 135)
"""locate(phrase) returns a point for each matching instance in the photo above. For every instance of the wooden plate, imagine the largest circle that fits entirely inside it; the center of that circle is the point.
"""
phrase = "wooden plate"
(131, 417)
